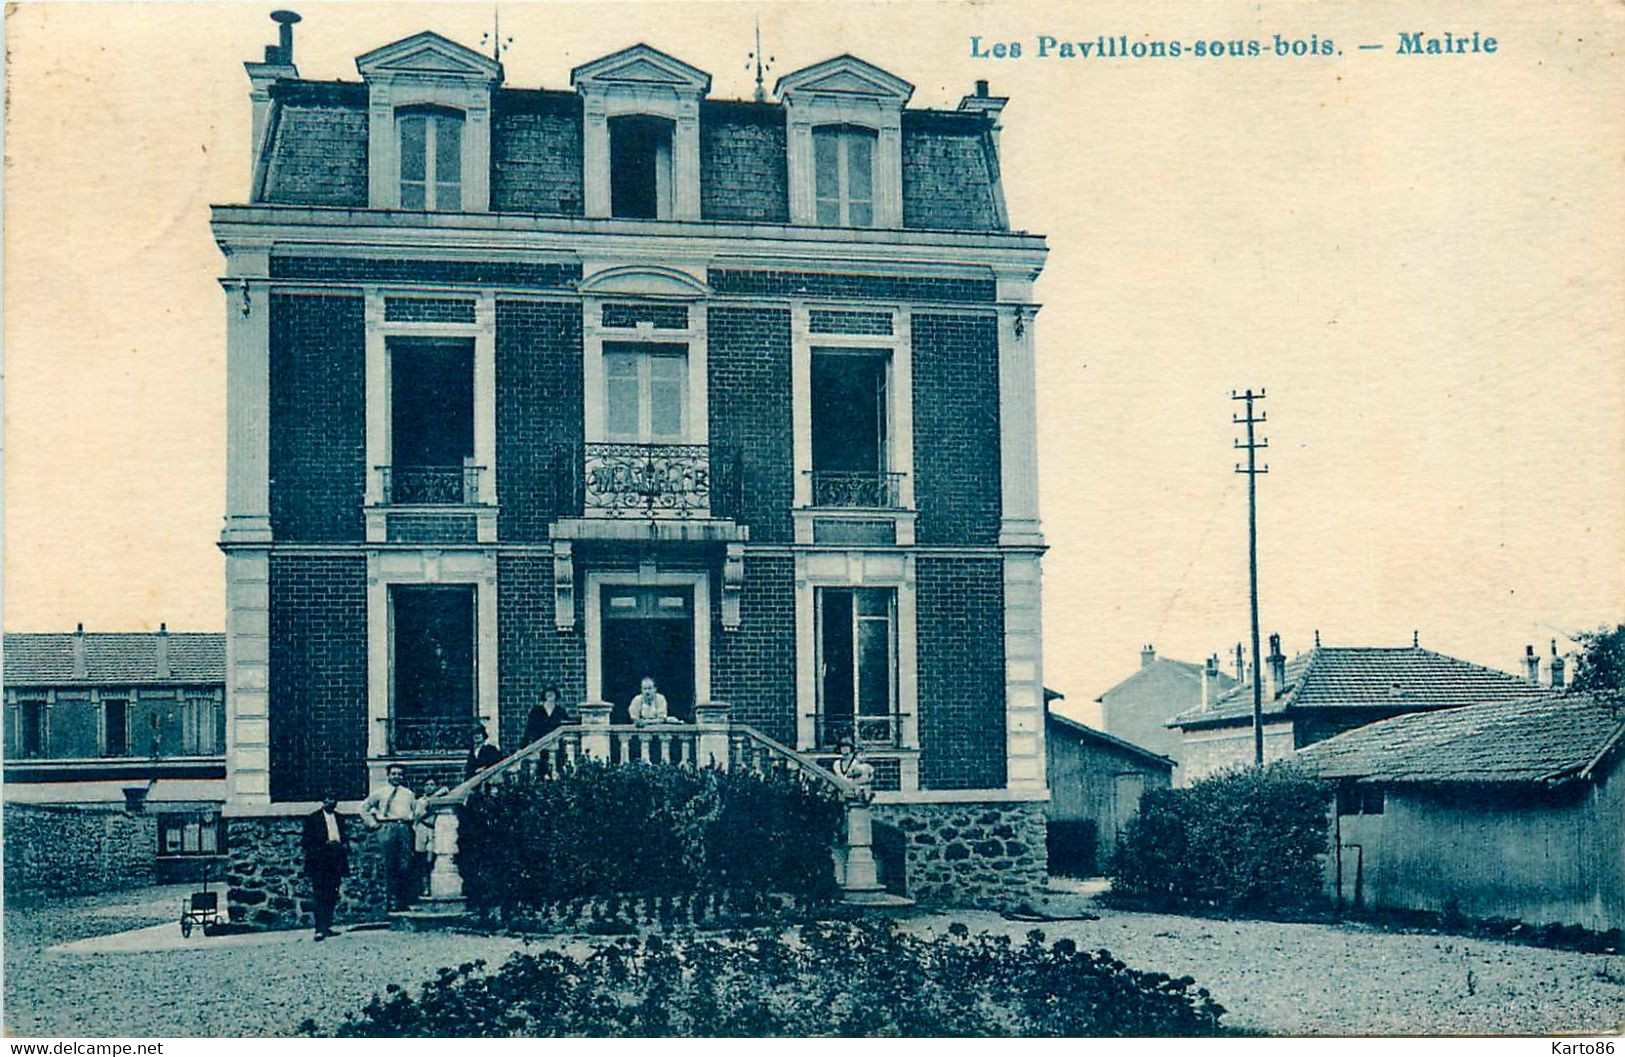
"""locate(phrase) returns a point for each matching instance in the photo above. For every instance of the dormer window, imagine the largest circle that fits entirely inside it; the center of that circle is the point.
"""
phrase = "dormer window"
(640, 172)
(843, 170)
(431, 149)
(843, 144)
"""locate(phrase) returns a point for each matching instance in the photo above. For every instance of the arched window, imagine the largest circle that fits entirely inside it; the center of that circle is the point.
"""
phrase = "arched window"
(431, 151)
(843, 175)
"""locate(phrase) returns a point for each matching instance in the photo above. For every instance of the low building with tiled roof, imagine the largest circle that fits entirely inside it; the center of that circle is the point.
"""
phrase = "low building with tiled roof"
(1096, 781)
(1138, 708)
(114, 752)
(1331, 689)
(1505, 809)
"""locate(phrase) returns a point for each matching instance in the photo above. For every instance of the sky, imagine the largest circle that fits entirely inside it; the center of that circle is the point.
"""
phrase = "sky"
(1418, 258)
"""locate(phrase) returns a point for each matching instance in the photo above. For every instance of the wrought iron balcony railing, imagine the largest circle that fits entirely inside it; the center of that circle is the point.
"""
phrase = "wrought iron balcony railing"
(430, 485)
(864, 731)
(648, 480)
(863, 489)
(430, 735)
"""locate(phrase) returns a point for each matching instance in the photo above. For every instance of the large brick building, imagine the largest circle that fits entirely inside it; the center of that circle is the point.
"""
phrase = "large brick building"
(533, 387)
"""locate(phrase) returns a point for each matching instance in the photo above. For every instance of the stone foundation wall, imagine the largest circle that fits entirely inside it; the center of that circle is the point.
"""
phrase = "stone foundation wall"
(62, 850)
(971, 854)
(265, 878)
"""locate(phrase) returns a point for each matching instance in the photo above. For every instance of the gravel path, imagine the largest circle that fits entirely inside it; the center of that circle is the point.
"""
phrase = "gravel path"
(1277, 979)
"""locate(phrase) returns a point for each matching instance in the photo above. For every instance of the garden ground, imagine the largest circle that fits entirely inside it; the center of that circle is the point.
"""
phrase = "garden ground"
(1274, 978)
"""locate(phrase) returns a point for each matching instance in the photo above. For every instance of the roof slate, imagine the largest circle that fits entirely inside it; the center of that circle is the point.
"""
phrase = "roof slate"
(1549, 738)
(1405, 678)
(46, 659)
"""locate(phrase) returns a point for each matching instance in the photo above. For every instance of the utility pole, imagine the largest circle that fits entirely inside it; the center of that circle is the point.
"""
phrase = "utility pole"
(1252, 470)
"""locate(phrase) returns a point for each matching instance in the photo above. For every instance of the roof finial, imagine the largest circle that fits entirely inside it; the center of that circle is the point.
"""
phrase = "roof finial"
(762, 65)
(1416, 639)
(495, 37)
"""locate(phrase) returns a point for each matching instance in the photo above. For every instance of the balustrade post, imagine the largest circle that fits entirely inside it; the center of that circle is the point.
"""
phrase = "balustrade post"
(445, 880)
(859, 877)
(595, 729)
(711, 742)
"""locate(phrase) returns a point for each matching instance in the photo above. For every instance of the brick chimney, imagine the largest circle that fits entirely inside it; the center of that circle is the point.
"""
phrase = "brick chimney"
(81, 669)
(1210, 682)
(1277, 663)
(1531, 665)
(1557, 668)
(1148, 655)
(278, 64)
(162, 650)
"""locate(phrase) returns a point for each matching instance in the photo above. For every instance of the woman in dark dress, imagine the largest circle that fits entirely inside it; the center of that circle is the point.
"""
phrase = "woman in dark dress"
(545, 717)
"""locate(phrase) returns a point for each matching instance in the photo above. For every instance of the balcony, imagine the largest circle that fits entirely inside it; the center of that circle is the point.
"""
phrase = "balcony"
(429, 485)
(856, 489)
(430, 735)
(647, 481)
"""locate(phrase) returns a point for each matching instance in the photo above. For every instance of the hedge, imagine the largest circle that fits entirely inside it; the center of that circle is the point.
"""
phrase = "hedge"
(1247, 840)
(828, 979)
(645, 829)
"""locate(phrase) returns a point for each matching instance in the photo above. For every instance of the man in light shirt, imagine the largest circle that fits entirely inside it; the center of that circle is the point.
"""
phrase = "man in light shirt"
(393, 809)
(650, 705)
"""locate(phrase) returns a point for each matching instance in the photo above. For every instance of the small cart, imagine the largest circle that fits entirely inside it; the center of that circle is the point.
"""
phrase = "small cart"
(201, 908)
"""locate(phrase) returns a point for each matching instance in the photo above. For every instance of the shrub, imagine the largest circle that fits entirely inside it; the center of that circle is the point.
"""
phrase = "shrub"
(838, 978)
(1247, 840)
(645, 829)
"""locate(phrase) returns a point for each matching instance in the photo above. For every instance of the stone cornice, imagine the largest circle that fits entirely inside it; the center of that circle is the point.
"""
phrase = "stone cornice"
(308, 230)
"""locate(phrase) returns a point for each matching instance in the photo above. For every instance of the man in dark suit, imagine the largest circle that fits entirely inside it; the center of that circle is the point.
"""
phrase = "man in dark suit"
(327, 860)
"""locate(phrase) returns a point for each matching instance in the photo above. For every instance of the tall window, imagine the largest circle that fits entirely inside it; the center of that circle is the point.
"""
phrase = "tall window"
(843, 175)
(857, 660)
(646, 392)
(431, 159)
(431, 412)
(31, 732)
(640, 167)
(115, 727)
(433, 654)
(850, 428)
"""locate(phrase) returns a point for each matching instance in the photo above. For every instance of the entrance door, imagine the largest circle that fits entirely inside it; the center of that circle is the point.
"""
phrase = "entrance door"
(648, 631)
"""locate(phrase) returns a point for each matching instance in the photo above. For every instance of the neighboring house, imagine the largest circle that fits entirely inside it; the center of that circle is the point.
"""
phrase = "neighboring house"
(542, 386)
(97, 723)
(1096, 781)
(1509, 809)
(1328, 690)
(1138, 708)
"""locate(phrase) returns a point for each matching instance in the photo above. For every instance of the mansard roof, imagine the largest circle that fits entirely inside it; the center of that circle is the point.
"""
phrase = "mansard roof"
(846, 76)
(428, 54)
(645, 67)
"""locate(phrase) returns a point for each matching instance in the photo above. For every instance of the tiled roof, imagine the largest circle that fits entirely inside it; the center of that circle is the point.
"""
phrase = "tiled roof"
(1549, 738)
(1405, 678)
(1180, 668)
(114, 658)
(1087, 732)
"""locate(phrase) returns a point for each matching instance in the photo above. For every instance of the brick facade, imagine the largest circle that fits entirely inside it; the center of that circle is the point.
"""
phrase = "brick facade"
(318, 677)
(536, 153)
(961, 672)
(956, 429)
(742, 163)
(539, 414)
(404, 270)
(318, 417)
(532, 651)
(751, 419)
(754, 668)
(734, 282)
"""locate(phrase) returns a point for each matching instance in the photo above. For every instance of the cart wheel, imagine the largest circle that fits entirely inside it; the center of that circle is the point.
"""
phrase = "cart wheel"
(186, 926)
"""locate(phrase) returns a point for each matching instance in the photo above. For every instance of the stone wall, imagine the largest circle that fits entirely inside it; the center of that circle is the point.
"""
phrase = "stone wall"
(970, 854)
(63, 850)
(265, 877)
